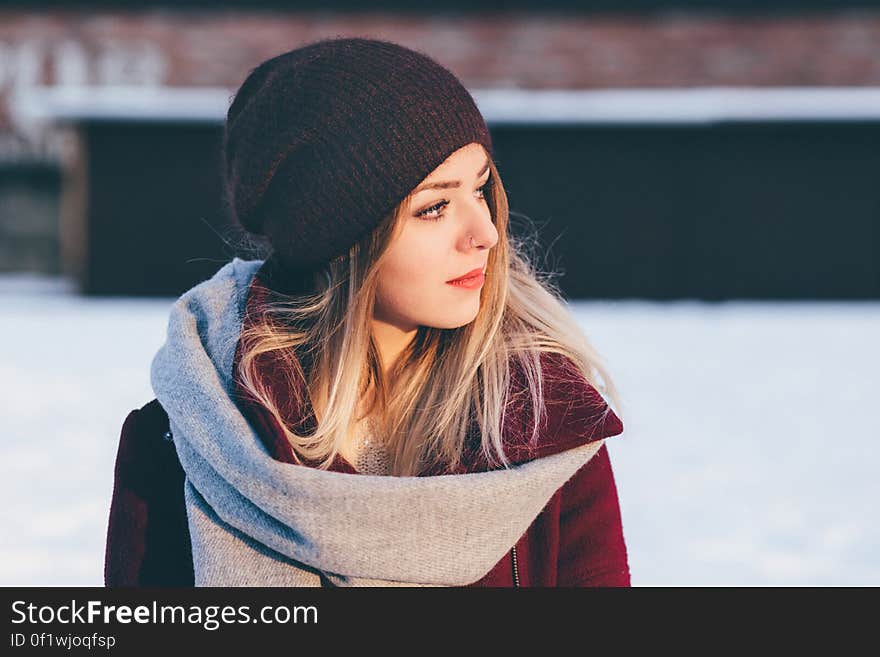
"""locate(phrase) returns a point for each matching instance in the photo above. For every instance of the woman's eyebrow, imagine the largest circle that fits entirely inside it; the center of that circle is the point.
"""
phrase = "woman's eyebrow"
(446, 184)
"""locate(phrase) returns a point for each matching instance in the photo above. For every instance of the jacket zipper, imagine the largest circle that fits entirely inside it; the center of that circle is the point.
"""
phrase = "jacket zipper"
(515, 571)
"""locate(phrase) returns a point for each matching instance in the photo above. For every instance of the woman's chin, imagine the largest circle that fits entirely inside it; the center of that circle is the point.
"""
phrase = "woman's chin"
(456, 321)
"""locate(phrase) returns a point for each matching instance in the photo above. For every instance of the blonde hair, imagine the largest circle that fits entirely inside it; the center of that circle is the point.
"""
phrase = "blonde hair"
(442, 381)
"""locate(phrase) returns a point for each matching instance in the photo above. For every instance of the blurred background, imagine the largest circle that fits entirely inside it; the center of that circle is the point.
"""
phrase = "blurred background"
(704, 176)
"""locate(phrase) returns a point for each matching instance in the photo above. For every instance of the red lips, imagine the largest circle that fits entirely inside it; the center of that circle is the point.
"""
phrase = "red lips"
(470, 274)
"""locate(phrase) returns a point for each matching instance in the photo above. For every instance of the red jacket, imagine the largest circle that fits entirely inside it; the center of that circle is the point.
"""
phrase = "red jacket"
(576, 540)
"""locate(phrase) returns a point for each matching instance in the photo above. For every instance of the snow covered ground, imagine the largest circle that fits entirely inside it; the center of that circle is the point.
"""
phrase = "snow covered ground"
(750, 454)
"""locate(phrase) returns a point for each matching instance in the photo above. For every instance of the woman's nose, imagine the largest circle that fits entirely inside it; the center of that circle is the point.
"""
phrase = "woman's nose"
(482, 232)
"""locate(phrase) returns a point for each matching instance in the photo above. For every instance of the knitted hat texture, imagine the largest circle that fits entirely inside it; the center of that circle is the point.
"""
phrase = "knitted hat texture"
(322, 142)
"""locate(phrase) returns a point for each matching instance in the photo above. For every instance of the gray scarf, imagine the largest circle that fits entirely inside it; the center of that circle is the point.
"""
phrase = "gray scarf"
(256, 521)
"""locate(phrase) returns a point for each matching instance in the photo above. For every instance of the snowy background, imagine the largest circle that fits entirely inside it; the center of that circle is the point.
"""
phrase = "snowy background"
(750, 454)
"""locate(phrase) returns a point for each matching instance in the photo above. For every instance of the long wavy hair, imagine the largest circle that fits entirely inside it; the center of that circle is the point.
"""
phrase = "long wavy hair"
(445, 380)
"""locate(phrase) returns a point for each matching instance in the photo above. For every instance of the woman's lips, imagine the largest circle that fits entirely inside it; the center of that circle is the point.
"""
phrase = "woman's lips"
(470, 283)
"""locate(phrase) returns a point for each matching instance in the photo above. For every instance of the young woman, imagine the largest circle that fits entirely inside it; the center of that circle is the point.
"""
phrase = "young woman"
(394, 395)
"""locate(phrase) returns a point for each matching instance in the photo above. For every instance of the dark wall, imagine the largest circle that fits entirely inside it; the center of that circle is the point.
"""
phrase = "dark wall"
(29, 198)
(764, 211)
(154, 218)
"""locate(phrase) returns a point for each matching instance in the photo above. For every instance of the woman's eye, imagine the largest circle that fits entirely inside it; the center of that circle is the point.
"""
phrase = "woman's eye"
(428, 213)
(431, 213)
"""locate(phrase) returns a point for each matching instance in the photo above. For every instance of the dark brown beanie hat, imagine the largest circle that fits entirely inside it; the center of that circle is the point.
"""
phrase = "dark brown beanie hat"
(322, 142)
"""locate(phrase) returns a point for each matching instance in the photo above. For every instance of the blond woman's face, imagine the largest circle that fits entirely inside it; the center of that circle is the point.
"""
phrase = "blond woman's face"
(447, 232)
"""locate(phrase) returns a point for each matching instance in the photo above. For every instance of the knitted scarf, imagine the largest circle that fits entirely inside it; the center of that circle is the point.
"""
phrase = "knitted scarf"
(256, 521)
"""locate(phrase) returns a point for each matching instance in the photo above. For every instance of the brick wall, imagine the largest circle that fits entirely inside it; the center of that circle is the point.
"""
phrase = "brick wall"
(531, 50)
